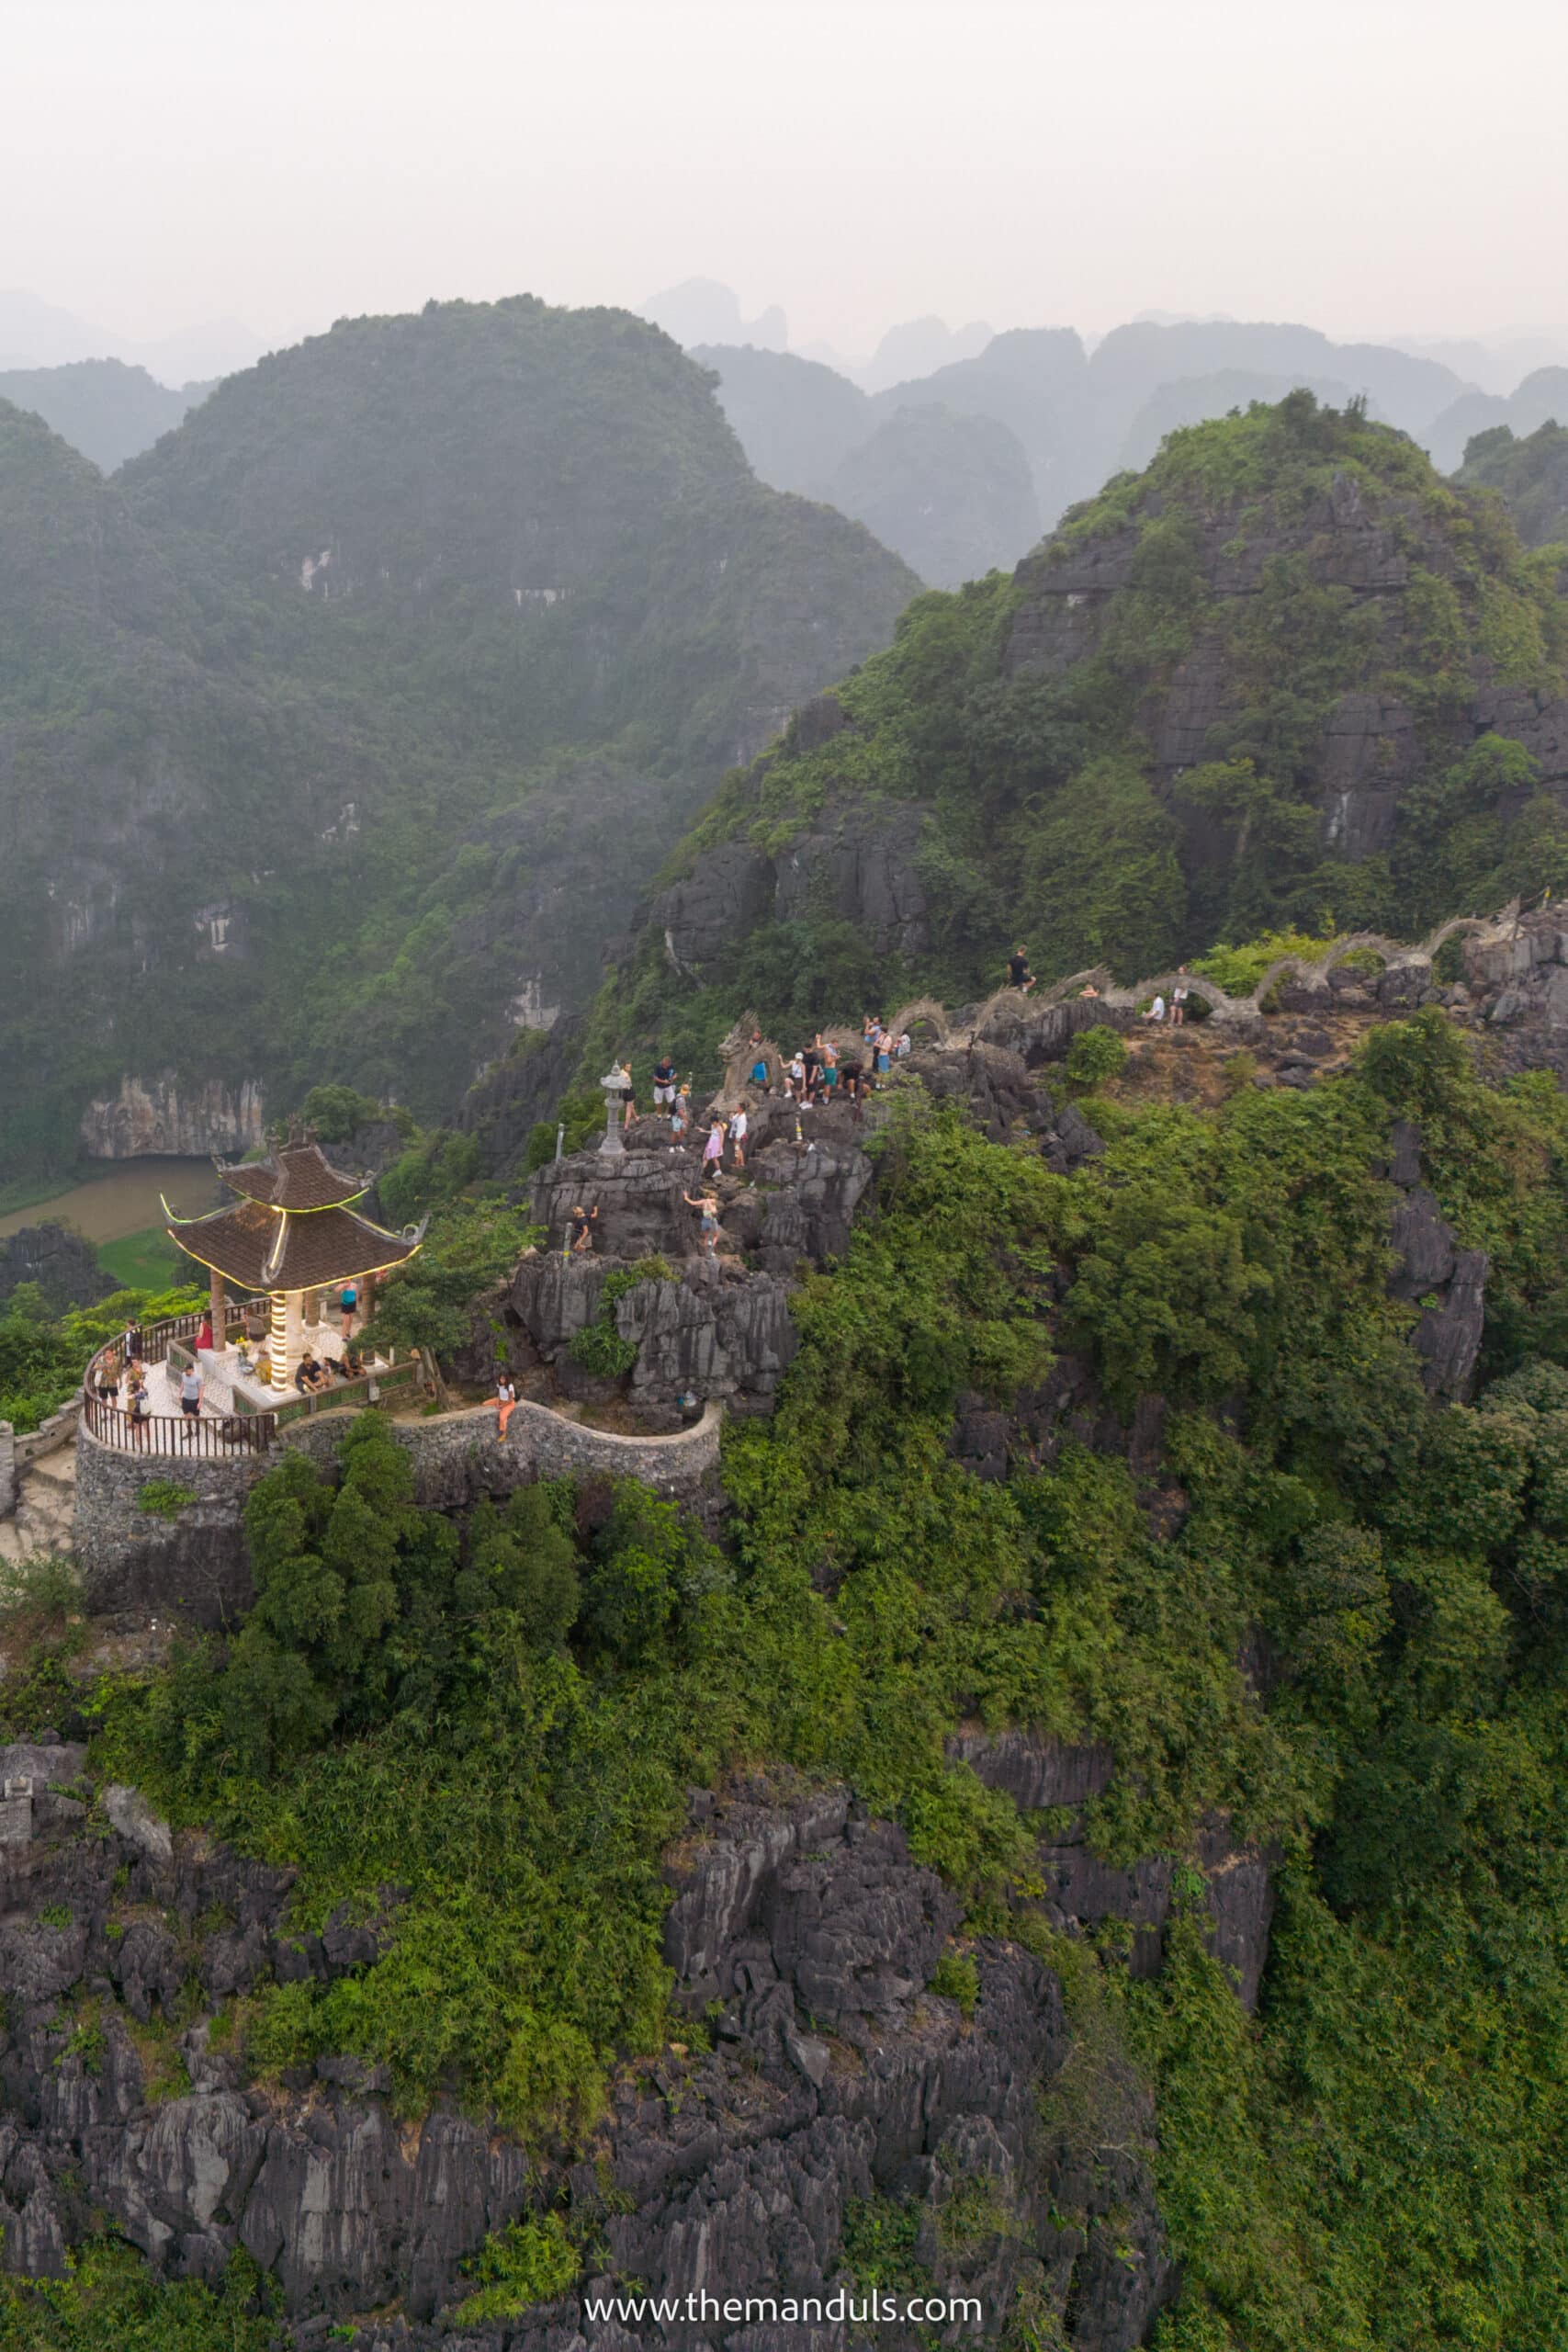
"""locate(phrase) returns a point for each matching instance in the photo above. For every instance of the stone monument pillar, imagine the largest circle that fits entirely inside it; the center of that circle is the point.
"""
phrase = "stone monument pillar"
(618, 1084)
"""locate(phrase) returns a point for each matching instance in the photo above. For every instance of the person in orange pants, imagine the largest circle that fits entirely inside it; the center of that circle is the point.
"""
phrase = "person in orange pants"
(505, 1399)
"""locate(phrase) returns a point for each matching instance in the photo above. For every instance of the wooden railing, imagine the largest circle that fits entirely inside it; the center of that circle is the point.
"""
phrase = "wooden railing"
(204, 1436)
(197, 1436)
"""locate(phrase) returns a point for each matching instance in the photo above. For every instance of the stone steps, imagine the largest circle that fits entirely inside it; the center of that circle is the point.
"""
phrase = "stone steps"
(46, 1508)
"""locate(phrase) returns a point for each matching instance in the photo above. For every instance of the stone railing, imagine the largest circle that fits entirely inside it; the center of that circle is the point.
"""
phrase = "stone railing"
(1045, 1017)
(17, 1453)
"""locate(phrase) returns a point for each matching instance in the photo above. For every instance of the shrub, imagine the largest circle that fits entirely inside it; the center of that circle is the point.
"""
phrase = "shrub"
(165, 1499)
(957, 1979)
(600, 1349)
(529, 2262)
(1096, 1055)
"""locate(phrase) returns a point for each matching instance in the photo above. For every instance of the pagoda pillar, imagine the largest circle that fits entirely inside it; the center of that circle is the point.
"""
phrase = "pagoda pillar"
(217, 1307)
(286, 1339)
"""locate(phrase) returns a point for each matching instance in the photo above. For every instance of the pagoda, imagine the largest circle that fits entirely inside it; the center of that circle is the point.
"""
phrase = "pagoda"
(293, 1233)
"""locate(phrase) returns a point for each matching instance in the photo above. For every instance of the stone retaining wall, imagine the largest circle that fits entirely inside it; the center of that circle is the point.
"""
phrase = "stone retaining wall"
(136, 1561)
(50, 1435)
(7, 1470)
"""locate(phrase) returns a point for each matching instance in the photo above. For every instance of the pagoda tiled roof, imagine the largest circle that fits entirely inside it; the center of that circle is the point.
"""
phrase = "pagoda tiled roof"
(298, 1178)
(254, 1245)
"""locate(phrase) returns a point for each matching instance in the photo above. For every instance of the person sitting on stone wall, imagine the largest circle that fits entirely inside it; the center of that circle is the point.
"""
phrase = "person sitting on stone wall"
(505, 1402)
(312, 1376)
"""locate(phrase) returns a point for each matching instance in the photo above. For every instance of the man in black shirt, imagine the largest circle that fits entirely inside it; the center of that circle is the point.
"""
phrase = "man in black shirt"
(663, 1083)
(1019, 977)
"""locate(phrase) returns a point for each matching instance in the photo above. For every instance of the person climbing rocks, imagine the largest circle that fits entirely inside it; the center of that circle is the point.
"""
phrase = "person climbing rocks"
(1019, 977)
(663, 1083)
(713, 1150)
(505, 1399)
(1178, 996)
(706, 1203)
(739, 1127)
(579, 1230)
(681, 1114)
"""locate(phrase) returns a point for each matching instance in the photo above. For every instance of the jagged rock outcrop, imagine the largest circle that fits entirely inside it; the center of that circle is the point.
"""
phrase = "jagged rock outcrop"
(64, 1265)
(861, 862)
(160, 1115)
(806, 1931)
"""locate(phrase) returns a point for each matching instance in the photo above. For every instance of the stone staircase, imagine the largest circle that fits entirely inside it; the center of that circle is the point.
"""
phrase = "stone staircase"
(46, 1508)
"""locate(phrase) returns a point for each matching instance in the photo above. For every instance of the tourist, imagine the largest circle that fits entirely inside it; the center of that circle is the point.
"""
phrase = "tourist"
(580, 1231)
(1089, 990)
(131, 1342)
(190, 1392)
(261, 1371)
(353, 1366)
(760, 1064)
(1178, 995)
(830, 1069)
(629, 1115)
(884, 1053)
(204, 1332)
(905, 1046)
(663, 1083)
(707, 1202)
(797, 1076)
(713, 1150)
(506, 1399)
(738, 1128)
(311, 1377)
(1019, 977)
(348, 1300)
(108, 1377)
(681, 1114)
(139, 1406)
(1157, 1010)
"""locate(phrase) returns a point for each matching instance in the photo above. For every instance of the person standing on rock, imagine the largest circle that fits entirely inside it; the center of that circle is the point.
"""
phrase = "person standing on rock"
(681, 1114)
(1019, 977)
(760, 1064)
(713, 1150)
(1178, 996)
(706, 1203)
(663, 1083)
(739, 1127)
(580, 1231)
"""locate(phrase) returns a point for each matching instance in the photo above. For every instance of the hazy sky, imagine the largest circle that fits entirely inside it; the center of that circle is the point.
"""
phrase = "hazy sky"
(1367, 165)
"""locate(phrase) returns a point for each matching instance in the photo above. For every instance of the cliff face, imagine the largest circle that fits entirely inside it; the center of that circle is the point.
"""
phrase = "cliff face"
(160, 1114)
(803, 1931)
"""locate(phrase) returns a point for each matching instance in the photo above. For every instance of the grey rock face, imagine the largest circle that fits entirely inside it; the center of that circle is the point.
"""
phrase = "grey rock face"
(862, 861)
(1448, 1283)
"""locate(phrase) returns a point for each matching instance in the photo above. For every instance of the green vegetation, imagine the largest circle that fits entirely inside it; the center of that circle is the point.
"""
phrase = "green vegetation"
(1530, 472)
(43, 1356)
(500, 1720)
(110, 2302)
(1046, 815)
(528, 2263)
(164, 1498)
(146, 1261)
